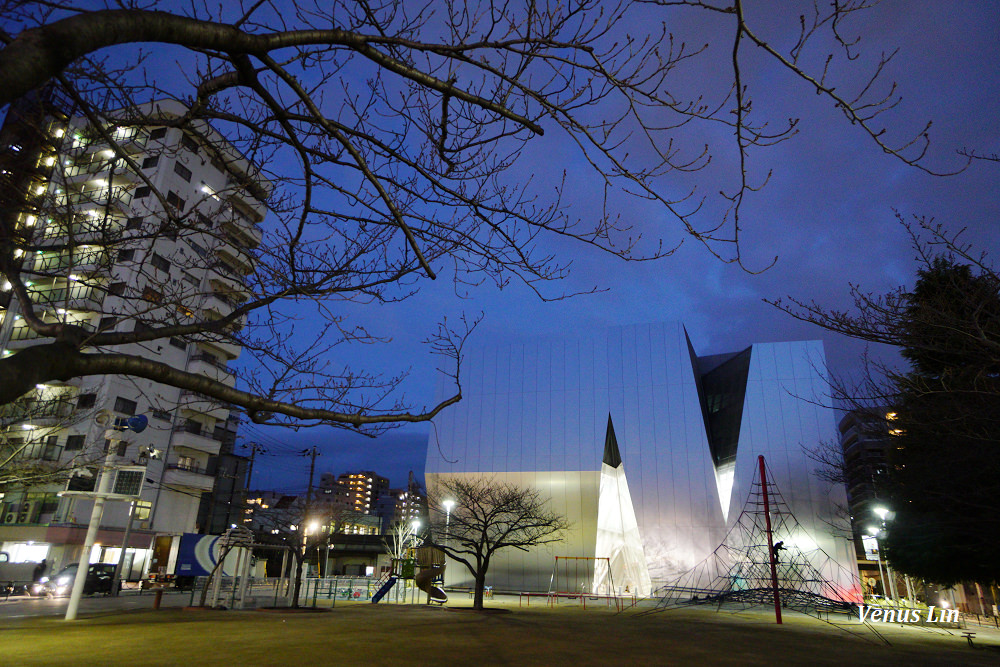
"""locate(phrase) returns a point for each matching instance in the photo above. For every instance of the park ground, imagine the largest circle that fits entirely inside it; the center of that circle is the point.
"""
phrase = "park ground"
(367, 634)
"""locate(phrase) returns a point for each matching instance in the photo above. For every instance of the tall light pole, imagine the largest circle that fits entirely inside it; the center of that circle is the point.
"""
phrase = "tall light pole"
(447, 505)
(883, 513)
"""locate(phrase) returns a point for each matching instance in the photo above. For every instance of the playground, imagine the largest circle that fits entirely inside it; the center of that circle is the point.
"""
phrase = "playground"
(395, 634)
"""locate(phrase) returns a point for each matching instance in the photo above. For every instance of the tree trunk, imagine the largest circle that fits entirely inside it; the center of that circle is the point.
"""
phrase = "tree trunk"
(299, 562)
(477, 603)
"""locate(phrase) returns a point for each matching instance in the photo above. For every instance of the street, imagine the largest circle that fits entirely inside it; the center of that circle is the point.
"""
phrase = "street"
(22, 606)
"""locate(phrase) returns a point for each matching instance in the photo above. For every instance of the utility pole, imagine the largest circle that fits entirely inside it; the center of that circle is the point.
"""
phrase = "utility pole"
(309, 493)
(254, 448)
(312, 469)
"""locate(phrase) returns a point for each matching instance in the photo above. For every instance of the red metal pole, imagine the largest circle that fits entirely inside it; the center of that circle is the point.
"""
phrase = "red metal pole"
(770, 543)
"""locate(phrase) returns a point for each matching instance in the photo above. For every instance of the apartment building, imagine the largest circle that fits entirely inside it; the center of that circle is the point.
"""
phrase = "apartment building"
(357, 491)
(106, 256)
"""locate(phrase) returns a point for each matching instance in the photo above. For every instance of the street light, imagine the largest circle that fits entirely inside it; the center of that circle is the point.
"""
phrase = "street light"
(884, 513)
(447, 505)
(878, 556)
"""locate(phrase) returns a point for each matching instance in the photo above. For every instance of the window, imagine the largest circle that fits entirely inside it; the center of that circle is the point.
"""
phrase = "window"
(175, 200)
(51, 450)
(117, 289)
(189, 143)
(125, 406)
(143, 508)
(107, 324)
(86, 401)
(120, 450)
(198, 249)
(74, 442)
(182, 171)
(143, 192)
(150, 294)
(204, 221)
(177, 342)
(162, 415)
(126, 255)
(134, 223)
(158, 133)
(186, 463)
(160, 262)
(188, 278)
(150, 162)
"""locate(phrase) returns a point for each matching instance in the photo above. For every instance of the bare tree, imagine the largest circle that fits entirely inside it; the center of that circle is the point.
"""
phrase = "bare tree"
(389, 143)
(299, 527)
(488, 516)
(402, 536)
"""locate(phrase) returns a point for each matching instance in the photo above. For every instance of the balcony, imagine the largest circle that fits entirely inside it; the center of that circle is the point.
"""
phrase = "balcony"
(74, 297)
(244, 202)
(236, 256)
(199, 404)
(113, 197)
(213, 367)
(42, 413)
(190, 477)
(228, 273)
(87, 259)
(187, 436)
(21, 333)
(240, 232)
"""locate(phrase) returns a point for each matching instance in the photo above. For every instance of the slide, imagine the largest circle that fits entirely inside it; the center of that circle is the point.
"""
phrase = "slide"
(386, 587)
(425, 582)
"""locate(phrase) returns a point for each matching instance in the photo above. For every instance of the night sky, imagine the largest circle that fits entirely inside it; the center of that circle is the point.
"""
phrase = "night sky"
(828, 215)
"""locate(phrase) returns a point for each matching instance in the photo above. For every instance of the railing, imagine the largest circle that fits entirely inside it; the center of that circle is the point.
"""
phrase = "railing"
(77, 231)
(229, 272)
(196, 430)
(21, 410)
(212, 361)
(117, 195)
(46, 263)
(188, 468)
(60, 295)
(24, 332)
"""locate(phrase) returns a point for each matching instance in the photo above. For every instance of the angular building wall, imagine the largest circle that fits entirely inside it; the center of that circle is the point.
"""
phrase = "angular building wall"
(536, 412)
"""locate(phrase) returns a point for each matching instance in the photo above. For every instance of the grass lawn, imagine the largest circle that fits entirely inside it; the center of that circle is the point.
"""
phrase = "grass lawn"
(366, 634)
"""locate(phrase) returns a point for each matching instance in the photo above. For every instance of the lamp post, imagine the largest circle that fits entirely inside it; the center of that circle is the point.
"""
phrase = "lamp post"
(878, 556)
(415, 525)
(447, 505)
(883, 514)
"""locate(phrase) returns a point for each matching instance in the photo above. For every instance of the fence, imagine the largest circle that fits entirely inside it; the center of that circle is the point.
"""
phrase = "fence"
(273, 591)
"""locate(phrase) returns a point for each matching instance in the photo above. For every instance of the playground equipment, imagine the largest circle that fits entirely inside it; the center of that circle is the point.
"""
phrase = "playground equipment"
(425, 582)
(385, 585)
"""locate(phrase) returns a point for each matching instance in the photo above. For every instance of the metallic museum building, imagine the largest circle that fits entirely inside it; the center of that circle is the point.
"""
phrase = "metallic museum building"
(649, 450)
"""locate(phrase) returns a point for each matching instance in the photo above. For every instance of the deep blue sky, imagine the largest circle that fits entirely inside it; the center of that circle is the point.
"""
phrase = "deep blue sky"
(827, 214)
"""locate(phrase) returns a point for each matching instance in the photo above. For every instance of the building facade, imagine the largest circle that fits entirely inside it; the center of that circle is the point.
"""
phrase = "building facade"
(107, 258)
(688, 431)
(357, 491)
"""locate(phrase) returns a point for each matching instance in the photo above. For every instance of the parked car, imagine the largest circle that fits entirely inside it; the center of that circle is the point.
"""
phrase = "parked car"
(100, 577)
(15, 578)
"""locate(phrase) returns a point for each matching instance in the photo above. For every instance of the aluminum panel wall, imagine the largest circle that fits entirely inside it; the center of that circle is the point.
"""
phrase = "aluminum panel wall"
(536, 411)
